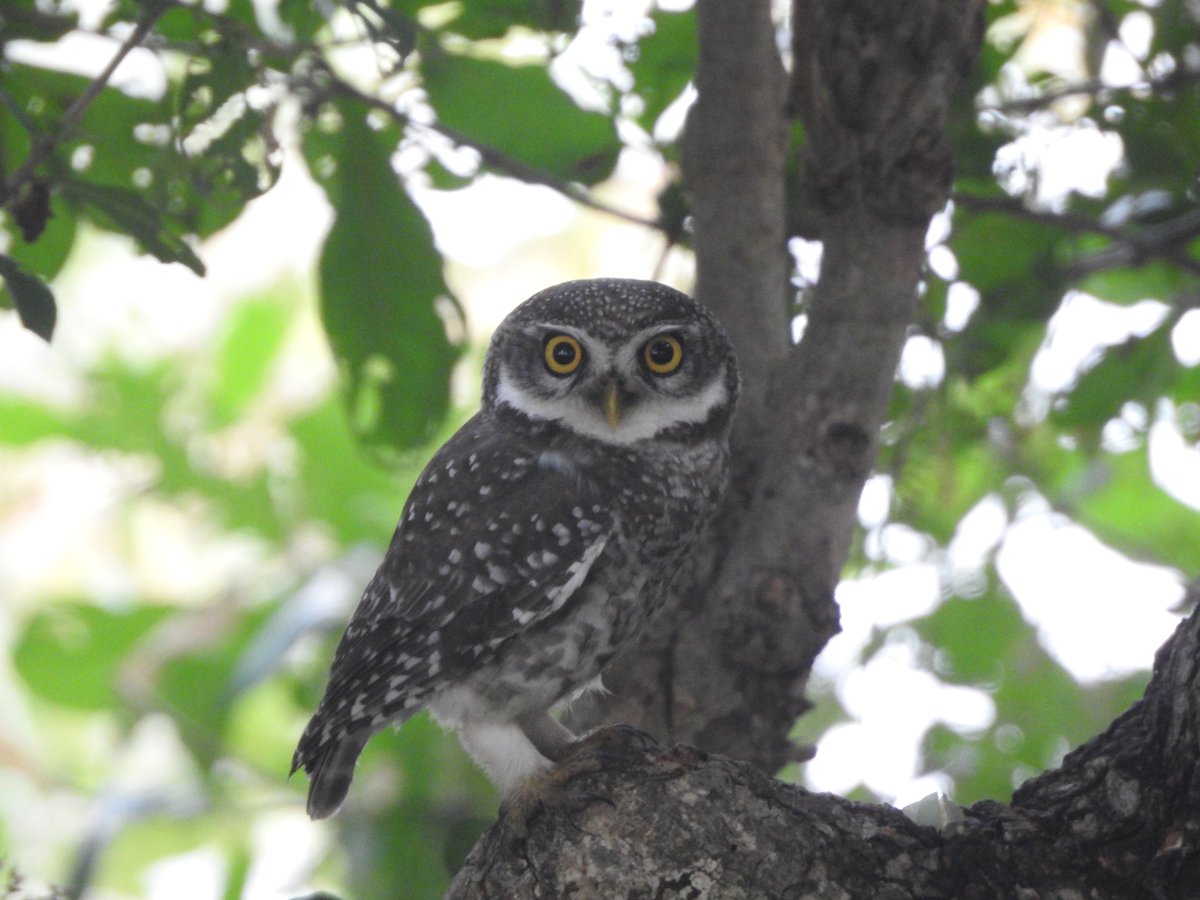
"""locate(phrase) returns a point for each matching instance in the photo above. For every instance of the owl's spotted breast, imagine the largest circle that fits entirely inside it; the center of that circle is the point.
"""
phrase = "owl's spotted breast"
(655, 508)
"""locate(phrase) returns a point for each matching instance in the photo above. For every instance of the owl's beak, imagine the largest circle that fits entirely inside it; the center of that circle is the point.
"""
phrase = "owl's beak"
(612, 406)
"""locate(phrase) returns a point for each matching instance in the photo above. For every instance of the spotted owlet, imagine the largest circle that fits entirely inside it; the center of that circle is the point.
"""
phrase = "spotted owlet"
(542, 537)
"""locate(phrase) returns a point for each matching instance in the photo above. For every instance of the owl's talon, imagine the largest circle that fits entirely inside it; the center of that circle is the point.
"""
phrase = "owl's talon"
(611, 743)
(549, 791)
(542, 793)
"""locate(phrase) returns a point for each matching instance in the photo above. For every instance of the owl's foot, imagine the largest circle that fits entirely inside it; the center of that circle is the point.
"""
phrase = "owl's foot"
(611, 743)
(548, 792)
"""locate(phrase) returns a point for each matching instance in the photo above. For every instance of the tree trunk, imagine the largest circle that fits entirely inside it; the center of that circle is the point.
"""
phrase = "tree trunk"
(726, 664)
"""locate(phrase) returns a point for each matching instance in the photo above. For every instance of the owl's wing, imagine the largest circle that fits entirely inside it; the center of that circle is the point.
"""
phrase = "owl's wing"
(496, 537)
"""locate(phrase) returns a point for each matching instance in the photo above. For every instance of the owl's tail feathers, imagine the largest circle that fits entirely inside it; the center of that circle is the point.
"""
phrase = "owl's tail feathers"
(330, 770)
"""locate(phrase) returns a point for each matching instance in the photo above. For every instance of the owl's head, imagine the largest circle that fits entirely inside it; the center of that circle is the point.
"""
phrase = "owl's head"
(618, 360)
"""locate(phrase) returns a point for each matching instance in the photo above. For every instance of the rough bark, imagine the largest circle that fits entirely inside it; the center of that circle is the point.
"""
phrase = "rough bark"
(1119, 819)
(725, 666)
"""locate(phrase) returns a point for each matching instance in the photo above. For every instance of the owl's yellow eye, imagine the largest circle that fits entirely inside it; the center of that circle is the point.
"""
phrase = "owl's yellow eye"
(663, 354)
(563, 354)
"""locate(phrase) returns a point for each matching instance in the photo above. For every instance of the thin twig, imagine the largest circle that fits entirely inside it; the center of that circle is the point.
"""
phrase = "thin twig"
(1131, 255)
(43, 146)
(1165, 240)
(493, 157)
(1067, 220)
(1097, 90)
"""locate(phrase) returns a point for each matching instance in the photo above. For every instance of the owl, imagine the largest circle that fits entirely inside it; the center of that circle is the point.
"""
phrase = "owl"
(542, 537)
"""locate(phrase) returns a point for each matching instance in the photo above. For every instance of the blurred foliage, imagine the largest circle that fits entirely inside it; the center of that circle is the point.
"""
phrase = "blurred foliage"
(220, 671)
(234, 673)
(988, 429)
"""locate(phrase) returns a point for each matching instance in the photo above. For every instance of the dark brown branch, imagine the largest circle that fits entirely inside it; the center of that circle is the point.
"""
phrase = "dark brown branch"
(1162, 240)
(1120, 820)
(1098, 91)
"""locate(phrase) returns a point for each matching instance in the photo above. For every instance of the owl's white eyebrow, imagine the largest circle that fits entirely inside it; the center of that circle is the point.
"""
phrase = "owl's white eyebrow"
(557, 327)
(667, 328)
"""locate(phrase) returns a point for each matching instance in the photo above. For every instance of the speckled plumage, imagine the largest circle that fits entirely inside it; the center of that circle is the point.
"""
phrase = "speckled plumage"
(541, 538)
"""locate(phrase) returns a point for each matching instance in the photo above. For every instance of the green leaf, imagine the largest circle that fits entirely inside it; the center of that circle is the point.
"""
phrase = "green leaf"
(986, 643)
(388, 25)
(1021, 287)
(124, 210)
(979, 639)
(974, 146)
(419, 833)
(181, 23)
(1185, 386)
(1155, 279)
(150, 834)
(380, 280)
(481, 19)
(103, 145)
(948, 462)
(251, 339)
(72, 654)
(194, 684)
(942, 483)
(1028, 249)
(225, 140)
(665, 63)
(1141, 370)
(933, 301)
(1161, 138)
(33, 299)
(46, 256)
(236, 167)
(26, 21)
(239, 871)
(339, 486)
(126, 413)
(213, 79)
(137, 145)
(262, 721)
(26, 422)
(302, 17)
(1124, 507)
(518, 111)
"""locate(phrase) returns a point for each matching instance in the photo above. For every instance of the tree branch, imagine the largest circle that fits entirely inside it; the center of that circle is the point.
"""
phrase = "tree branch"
(1119, 819)
(1098, 91)
(42, 147)
(734, 156)
(1162, 240)
(490, 156)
